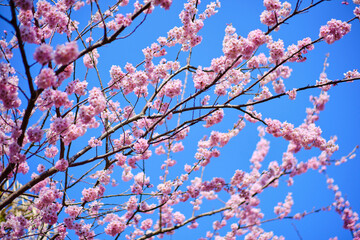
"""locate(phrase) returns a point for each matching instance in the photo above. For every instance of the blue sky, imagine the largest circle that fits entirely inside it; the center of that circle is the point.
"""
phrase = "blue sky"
(340, 117)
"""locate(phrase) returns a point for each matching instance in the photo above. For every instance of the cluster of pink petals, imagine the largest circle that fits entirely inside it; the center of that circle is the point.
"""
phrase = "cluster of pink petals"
(141, 145)
(119, 21)
(24, 4)
(283, 209)
(54, 16)
(18, 225)
(214, 118)
(295, 52)
(9, 87)
(50, 97)
(277, 50)
(115, 227)
(186, 35)
(93, 142)
(171, 89)
(357, 12)
(334, 30)
(44, 54)
(91, 59)
(352, 74)
(46, 78)
(275, 12)
(342, 207)
(163, 3)
(62, 165)
(201, 79)
(76, 87)
(65, 54)
(306, 135)
(97, 105)
(35, 134)
(51, 151)
(292, 94)
(91, 194)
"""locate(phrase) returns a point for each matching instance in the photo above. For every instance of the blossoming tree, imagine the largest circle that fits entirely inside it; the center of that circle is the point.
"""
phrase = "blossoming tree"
(91, 155)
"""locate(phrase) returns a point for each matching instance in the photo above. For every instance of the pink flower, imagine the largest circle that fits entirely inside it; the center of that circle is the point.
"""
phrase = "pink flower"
(257, 37)
(306, 44)
(283, 209)
(24, 4)
(173, 88)
(46, 78)
(23, 168)
(121, 20)
(73, 211)
(146, 224)
(65, 74)
(163, 3)
(35, 134)
(61, 165)
(44, 54)
(268, 18)
(273, 127)
(76, 87)
(91, 59)
(178, 218)
(352, 74)
(93, 142)
(114, 228)
(214, 118)
(334, 30)
(67, 53)
(25, 17)
(141, 145)
(60, 98)
(51, 152)
(276, 50)
(272, 5)
(160, 150)
(292, 94)
(90, 194)
(357, 12)
(121, 159)
(177, 147)
(78, 5)
(97, 100)
(40, 168)
(201, 79)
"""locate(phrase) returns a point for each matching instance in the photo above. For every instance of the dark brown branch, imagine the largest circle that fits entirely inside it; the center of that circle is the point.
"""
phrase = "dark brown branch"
(27, 186)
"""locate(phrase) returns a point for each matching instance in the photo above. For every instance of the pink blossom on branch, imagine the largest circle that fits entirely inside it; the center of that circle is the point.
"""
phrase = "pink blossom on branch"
(61, 165)
(65, 54)
(46, 78)
(334, 30)
(44, 54)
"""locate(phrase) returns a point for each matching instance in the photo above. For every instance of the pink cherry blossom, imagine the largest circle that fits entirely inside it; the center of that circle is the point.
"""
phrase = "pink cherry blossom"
(46, 78)
(44, 54)
(61, 165)
(65, 54)
(334, 30)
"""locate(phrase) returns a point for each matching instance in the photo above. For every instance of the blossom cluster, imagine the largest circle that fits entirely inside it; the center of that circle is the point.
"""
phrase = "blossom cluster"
(9, 87)
(275, 12)
(334, 30)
